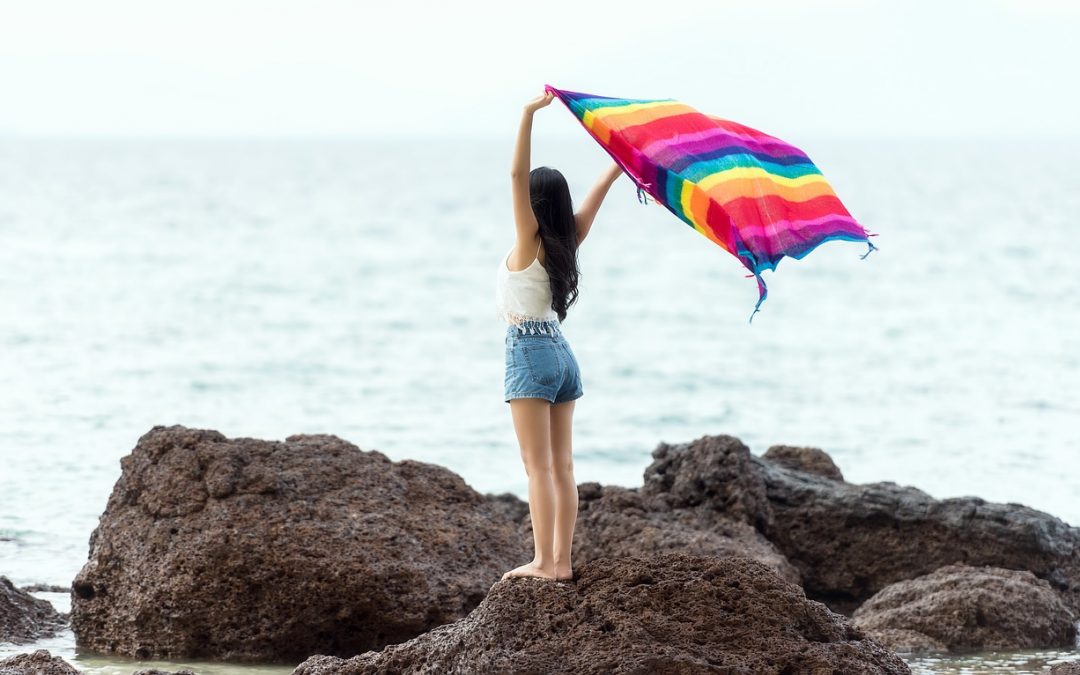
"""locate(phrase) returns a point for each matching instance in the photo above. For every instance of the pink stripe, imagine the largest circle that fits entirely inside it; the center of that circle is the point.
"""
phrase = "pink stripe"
(774, 228)
(680, 139)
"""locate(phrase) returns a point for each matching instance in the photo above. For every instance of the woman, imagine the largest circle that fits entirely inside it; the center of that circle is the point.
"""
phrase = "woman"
(537, 282)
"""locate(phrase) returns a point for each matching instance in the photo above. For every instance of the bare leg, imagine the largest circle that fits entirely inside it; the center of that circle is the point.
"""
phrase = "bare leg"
(566, 492)
(532, 422)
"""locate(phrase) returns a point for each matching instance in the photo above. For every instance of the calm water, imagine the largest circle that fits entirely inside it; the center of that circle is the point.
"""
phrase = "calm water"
(265, 289)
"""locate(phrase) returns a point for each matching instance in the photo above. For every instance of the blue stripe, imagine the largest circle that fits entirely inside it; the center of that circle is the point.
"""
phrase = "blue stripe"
(698, 170)
(729, 150)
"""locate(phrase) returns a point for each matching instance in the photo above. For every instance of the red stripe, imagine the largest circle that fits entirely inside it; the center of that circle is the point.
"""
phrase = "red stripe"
(772, 208)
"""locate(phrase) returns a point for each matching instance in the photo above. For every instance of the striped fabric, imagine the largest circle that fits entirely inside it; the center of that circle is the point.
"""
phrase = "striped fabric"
(753, 194)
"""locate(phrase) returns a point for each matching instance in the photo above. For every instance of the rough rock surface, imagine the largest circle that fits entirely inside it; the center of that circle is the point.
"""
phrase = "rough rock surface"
(714, 472)
(669, 613)
(967, 607)
(810, 460)
(156, 671)
(850, 541)
(24, 618)
(1067, 668)
(242, 549)
(616, 521)
(40, 662)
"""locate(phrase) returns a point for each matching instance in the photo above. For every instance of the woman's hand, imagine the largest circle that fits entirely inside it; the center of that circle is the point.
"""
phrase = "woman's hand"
(613, 172)
(539, 102)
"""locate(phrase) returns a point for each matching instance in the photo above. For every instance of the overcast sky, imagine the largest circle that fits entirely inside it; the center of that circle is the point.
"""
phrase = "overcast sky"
(838, 68)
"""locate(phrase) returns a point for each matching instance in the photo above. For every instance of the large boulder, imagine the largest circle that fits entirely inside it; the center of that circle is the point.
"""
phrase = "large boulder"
(850, 541)
(243, 549)
(616, 521)
(24, 618)
(713, 472)
(668, 613)
(40, 662)
(963, 607)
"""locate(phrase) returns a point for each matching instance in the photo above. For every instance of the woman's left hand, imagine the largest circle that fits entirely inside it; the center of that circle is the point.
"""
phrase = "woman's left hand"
(539, 102)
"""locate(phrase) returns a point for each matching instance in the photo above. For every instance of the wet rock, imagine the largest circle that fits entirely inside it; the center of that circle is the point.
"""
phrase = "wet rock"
(668, 613)
(155, 671)
(243, 549)
(810, 460)
(1066, 668)
(24, 618)
(967, 607)
(40, 662)
(850, 541)
(616, 521)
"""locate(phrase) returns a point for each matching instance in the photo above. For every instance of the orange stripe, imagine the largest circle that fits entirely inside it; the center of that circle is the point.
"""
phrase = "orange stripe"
(699, 211)
(620, 120)
(762, 187)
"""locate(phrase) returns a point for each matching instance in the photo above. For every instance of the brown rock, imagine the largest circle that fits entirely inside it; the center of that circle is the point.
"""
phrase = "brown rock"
(617, 522)
(40, 662)
(850, 541)
(1066, 668)
(966, 607)
(716, 472)
(242, 549)
(24, 618)
(810, 460)
(669, 613)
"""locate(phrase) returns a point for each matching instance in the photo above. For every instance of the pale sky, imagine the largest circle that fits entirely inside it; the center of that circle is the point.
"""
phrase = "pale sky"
(837, 68)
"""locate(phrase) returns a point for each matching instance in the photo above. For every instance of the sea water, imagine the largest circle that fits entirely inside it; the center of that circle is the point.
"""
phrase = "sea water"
(265, 289)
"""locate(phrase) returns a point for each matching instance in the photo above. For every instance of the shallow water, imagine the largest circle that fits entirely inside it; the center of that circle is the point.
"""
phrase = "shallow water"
(265, 289)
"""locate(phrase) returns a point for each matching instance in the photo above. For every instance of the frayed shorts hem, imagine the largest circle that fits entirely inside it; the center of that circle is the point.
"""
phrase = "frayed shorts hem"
(546, 397)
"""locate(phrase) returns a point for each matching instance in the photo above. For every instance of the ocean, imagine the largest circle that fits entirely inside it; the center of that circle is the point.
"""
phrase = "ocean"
(269, 288)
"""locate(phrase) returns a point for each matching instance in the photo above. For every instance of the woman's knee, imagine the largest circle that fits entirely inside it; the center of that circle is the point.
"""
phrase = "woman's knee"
(563, 470)
(536, 462)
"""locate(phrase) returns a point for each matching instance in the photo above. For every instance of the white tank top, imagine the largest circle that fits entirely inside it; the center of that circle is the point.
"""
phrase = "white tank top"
(525, 294)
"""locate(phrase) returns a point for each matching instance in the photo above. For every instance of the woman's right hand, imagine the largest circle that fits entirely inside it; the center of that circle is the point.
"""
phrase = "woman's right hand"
(539, 102)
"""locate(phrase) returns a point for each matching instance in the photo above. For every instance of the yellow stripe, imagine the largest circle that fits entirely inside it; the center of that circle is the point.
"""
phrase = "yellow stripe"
(745, 172)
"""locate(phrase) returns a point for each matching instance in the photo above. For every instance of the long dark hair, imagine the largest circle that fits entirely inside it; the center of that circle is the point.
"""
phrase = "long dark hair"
(550, 197)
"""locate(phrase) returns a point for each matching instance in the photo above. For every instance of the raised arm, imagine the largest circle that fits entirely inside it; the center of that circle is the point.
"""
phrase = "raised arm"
(585, 215)
(524, 218)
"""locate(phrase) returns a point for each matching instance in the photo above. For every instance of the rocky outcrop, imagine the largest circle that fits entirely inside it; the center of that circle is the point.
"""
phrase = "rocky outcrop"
(668, 613)
(242, 549)
(40, 662)
(810, 460)
(615, 521)
(1066, 668)
(712, 472)
(24, 618)
(850, 541)
(965, 607)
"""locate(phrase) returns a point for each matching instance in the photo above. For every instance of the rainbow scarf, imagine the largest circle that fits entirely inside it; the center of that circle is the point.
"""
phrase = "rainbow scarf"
(753, 194)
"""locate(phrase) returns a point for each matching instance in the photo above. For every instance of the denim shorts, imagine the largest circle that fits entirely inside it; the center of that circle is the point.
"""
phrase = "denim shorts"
(540, 363)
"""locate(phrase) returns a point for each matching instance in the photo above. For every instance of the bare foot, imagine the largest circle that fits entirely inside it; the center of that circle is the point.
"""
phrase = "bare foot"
(530, 570)
(563, 572)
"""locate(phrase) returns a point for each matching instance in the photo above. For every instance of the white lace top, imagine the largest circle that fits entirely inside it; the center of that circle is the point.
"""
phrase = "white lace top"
(524, 295)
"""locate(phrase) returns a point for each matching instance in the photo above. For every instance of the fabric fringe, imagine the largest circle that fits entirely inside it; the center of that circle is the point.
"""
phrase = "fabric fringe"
(763, 292)
(871, 248)
(643, 196)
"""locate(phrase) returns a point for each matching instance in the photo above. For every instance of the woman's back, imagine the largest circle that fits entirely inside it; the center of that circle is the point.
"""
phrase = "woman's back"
(524, 295)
